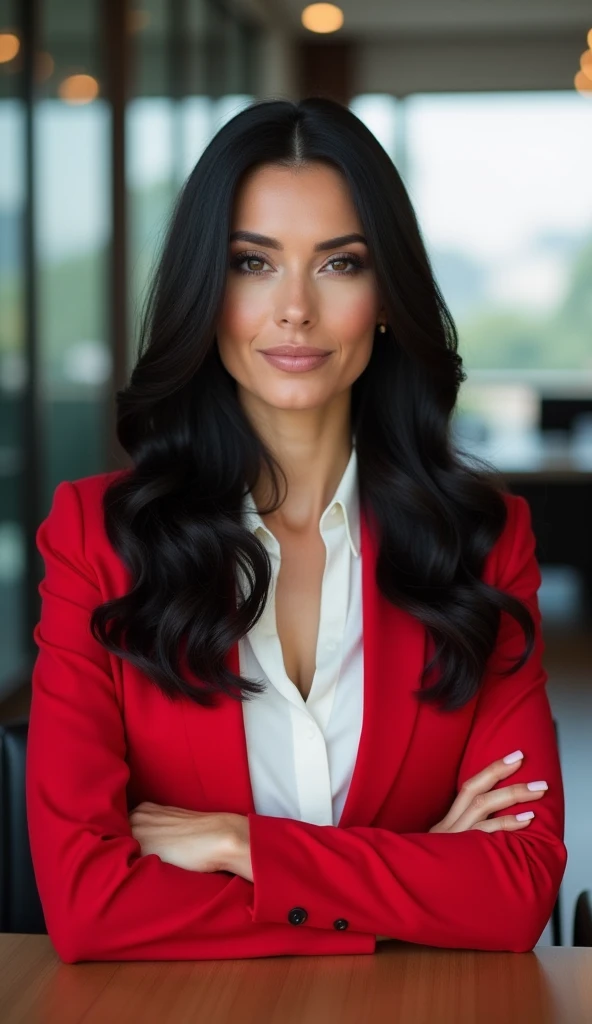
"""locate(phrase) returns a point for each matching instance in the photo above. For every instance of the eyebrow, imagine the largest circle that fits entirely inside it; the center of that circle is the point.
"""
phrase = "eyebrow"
(273, 243)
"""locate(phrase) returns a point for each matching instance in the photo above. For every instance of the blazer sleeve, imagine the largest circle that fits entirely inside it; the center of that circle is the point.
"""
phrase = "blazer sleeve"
(101, 898)
(472, 889)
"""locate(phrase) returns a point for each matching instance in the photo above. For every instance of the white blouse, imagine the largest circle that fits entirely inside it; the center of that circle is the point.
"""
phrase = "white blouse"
(302, 753)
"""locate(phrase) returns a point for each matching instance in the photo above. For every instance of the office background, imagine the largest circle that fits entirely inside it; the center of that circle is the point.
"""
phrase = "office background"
(486, 109)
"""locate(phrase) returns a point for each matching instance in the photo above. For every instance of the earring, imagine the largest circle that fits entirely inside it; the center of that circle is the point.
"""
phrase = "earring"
(382, 328)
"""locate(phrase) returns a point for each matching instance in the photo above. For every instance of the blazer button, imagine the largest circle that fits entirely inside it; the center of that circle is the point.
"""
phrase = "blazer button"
(341, 924)
(297, 915)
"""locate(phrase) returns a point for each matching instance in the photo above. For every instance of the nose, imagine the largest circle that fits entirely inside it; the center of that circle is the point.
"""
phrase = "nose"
(296, 305)
(294, 322)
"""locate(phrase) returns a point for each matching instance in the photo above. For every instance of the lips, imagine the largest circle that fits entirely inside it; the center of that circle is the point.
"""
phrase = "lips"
(296, 351)
(296, 364)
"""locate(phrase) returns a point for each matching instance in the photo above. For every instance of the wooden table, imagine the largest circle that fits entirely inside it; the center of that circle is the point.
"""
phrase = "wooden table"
(400, 984)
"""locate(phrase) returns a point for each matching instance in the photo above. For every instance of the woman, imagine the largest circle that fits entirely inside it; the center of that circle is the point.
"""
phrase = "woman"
(272, 721)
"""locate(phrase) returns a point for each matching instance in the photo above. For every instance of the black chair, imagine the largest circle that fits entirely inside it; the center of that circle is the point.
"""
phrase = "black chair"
(556, 926)
(20, 907)
(582, 925)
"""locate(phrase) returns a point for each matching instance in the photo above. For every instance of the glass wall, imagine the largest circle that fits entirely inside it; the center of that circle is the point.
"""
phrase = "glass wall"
(13, 361)
(194, 67)
(72, 237)
(501, 187)
(189, 64)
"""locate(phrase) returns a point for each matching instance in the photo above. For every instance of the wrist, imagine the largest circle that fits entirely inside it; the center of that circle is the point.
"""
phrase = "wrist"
(236, 855)
(229, 845)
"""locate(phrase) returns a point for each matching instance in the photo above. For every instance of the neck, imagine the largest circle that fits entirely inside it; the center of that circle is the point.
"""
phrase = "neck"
(313, 452)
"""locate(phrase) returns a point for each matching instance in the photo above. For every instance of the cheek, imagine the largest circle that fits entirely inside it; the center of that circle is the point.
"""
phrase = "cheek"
(241, 321)
(355, 315)
(352, 322)
(242, 312)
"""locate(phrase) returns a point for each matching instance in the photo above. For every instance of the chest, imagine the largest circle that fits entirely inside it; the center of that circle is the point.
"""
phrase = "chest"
(298, 607)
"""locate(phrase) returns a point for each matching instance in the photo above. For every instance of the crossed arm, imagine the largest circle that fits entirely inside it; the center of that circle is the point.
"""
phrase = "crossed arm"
(104, 900)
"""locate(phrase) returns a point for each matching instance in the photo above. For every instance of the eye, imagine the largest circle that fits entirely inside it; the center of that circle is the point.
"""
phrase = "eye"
(356, 263)
(244, 257)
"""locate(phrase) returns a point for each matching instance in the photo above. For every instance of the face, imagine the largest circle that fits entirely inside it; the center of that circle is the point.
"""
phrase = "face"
(283, 289)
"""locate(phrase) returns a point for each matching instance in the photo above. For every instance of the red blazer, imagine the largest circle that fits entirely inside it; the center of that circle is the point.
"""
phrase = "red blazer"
(102, 739)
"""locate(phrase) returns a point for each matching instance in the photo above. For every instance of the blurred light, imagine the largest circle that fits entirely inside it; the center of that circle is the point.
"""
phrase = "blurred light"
(590, 38)
(44, 66)
(78, 89)
(586, 63)
(87, 362)
(322, 17)
(137, 20)
(583, 84)
(9, 47)
(12, 551)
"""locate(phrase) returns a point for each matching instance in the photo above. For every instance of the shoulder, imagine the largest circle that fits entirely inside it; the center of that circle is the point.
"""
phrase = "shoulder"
(86, 491)
(90, 489)
(91, 486)
(515, 547)
(77, 506)
(518, 519)
(518, 523)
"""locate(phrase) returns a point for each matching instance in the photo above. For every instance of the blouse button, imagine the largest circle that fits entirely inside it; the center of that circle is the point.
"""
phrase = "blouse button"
(341, 924)
(297, 915)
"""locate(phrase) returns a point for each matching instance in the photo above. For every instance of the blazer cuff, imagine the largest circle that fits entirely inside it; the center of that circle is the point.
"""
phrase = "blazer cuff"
(286, 881)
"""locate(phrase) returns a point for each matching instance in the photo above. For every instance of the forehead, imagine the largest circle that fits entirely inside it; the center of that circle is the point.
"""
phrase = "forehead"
(269, 196)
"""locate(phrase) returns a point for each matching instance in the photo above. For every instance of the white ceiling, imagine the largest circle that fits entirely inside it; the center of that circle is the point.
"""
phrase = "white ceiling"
(372, 18)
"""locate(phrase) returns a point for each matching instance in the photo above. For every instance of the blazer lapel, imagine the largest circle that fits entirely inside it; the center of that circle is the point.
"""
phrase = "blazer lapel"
(394, 654)
(394, 645)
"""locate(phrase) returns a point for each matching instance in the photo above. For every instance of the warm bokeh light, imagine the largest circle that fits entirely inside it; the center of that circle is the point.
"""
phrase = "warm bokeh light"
(590, 38)
(322, 17)
(78, 89)
(9, 46)
(583, 84)
(586, 63)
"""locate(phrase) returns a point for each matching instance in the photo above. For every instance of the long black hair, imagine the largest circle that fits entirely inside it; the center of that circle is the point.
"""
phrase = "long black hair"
(175, 517)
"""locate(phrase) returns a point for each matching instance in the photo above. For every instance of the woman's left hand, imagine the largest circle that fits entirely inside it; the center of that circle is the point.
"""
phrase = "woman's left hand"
(194, 840)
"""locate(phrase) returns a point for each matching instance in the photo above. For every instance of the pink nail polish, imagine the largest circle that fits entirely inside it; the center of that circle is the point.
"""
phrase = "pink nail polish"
(525, 815)
(512, 758)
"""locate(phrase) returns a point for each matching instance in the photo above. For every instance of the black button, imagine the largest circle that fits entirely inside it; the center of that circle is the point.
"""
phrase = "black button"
(340, 924)
(297, 915)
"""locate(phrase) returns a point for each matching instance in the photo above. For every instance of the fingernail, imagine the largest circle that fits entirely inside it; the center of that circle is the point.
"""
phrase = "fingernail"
(525, 816)
(511, 758)
(537, 785)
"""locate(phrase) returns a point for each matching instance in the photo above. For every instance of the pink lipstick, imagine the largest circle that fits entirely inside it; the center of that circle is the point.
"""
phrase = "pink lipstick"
(295, 364)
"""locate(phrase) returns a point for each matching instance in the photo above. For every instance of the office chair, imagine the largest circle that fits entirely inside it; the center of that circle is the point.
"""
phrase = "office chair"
(20, 906)
(582, 925)
(556, 926)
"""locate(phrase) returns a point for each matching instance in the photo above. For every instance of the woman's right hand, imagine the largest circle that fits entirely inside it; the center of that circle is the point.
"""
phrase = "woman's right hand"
(476, 800)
